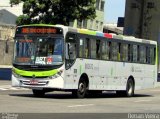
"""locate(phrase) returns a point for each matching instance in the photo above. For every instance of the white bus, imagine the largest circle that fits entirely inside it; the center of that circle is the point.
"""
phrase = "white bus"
(59, 58)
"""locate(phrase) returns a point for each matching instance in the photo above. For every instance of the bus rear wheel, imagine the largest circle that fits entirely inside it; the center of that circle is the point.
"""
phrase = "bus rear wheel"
(82, 90)
(38, 93)
(129, 92)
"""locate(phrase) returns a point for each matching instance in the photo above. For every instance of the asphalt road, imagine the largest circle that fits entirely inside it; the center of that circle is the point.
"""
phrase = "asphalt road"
(13, 100)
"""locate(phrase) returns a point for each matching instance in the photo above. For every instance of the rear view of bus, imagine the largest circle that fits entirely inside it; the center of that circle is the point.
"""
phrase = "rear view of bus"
(38, 54)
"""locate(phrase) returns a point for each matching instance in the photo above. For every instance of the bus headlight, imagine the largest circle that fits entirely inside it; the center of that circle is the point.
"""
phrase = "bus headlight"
(58, 74)
(15, 75)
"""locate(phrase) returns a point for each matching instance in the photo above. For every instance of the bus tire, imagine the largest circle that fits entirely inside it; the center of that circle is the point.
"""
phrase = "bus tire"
(129, 92)
(82, 90)
(38, 93)
(130, 88)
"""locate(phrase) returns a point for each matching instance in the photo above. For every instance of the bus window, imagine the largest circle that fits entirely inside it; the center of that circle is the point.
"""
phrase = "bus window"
(142, 54)
(114, 51)
(109, 50)
(135, 53)
(71, 46)
(97, 49)
(105, 50)
(138, 53)
(124, 52)
(84, 47)
(81, 49)
(130, 52)
(119, 51)
(152, 54)
(93, 49)
(148, 55)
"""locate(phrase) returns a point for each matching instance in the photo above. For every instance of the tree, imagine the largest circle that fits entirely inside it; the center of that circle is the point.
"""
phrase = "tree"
(55, 11)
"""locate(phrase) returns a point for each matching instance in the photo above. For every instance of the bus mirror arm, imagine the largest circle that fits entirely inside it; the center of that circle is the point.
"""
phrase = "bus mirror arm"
(68, 51)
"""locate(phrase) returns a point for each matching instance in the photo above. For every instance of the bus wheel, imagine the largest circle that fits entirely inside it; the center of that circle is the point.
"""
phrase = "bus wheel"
(130, 88)
(38, 93)
(82, 90)
(129, 92)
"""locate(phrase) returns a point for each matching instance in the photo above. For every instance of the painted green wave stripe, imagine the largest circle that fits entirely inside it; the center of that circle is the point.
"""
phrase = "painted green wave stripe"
(35, 73)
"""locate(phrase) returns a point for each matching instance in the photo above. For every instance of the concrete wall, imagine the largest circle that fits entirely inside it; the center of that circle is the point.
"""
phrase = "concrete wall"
(7, 31)
(6, 52)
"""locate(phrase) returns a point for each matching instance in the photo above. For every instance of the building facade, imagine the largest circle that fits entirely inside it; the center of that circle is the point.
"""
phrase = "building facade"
(142, 20)
(93, 24)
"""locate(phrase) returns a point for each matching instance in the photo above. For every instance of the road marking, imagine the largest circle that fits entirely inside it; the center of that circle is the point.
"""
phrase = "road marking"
(3, 89)
(156, 90)
(142, 101)
(81, 105)
(9, 87)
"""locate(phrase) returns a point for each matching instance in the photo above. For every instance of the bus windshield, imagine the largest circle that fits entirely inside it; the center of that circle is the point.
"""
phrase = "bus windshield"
(38, 51)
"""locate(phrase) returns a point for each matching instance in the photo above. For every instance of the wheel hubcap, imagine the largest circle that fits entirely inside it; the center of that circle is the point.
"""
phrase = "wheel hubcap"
(81, 88)
(130, 88)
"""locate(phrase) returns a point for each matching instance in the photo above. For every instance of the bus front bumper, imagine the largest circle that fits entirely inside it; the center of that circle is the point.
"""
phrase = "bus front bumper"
(57, 82)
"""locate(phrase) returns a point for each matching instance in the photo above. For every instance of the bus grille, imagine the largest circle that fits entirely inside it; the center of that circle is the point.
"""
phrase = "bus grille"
(38, 83)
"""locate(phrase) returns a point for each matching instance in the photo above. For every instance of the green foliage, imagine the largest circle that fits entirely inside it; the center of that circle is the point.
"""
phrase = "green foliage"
(55, 11)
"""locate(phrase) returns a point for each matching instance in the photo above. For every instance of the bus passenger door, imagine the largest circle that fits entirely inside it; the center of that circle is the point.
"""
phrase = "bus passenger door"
(70, 61)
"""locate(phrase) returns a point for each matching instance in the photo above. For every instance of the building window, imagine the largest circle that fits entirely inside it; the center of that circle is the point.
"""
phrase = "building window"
(150, 5)
(91, 24)
(102, 6)
(101, 26)
(97, 24)
(84, 24)
(134, 5)
(97, 4)
(79, 24)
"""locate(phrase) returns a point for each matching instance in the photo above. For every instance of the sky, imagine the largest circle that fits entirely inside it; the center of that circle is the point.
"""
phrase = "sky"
(113, 9)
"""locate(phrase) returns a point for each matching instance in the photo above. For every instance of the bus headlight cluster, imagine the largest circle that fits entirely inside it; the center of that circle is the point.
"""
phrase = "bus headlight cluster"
(15, 75)
(58, 74)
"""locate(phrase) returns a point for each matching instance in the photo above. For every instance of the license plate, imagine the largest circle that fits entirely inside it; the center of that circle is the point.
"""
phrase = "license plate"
(33, 82)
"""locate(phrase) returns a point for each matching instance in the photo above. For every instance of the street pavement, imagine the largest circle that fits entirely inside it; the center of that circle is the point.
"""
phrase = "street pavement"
(19, 103)
(6, 85)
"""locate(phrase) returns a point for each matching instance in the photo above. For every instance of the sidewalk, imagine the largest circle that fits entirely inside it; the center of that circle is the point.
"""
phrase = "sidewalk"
(5, 82)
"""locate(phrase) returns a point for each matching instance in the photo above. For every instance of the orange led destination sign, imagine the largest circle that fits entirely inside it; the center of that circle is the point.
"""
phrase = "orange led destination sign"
(38, 30)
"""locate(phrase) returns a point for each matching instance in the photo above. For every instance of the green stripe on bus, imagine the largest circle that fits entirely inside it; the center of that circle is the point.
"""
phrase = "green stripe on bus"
(85, 31)
(35, 73)
(39, 25)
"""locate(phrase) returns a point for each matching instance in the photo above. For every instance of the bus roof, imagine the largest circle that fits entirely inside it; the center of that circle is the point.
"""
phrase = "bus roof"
(97, 33)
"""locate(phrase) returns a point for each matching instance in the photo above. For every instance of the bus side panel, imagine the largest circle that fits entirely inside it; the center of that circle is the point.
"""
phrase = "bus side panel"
(109, 75)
